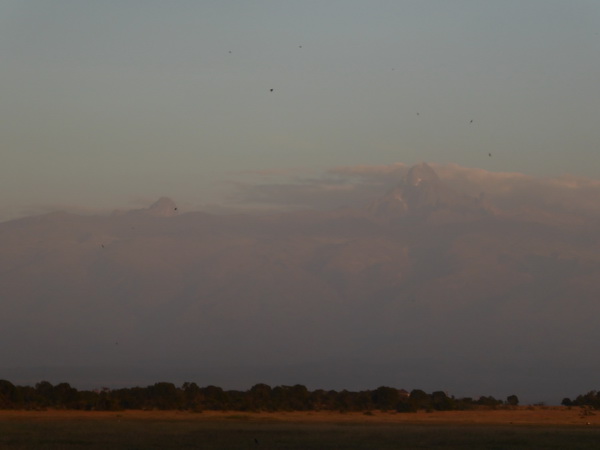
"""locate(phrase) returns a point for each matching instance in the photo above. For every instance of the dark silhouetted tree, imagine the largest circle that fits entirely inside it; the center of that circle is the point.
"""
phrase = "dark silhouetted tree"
(65, 396)
(9, 395)
(419, 399)
(441, 402)
(385, 398)
(512, 400)
(193, 396)
(164, 395)
(259, 397)
(215, 398)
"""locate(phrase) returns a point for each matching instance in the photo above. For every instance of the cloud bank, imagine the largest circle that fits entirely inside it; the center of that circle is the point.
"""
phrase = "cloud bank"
(361, 184)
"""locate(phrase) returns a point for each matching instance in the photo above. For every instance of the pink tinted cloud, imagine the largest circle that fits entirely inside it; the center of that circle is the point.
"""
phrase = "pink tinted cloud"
(357, 185)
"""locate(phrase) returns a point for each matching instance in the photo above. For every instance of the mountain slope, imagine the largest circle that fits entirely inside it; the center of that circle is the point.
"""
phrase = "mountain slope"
(440, 277)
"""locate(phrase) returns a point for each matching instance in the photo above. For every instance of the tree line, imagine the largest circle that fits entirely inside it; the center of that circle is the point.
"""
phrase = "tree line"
(261, 397)
(591, 399)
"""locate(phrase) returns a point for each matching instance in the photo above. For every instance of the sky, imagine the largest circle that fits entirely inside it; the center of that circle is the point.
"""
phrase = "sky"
(262, 104)
(114, 104)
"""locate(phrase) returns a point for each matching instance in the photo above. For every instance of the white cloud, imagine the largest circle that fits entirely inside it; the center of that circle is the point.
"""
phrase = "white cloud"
(513, 190)
(376, 171)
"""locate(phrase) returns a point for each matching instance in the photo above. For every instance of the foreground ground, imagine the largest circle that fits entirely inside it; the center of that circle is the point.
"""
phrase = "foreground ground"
(525, 427)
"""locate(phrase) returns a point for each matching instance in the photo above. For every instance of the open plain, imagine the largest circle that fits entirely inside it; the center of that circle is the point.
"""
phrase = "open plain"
(519, 428)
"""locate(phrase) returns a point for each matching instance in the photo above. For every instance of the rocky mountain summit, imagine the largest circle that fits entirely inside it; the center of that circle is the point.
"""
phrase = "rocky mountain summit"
(163, 207)
(421, 193)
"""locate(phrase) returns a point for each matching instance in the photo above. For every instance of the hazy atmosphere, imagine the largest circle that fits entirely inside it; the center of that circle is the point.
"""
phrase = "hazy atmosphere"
(341, 194)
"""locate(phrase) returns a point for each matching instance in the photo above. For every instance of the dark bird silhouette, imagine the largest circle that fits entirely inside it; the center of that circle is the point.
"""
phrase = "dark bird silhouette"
(271, 90)
(102, 245)
(471, 121)
(175, 209)
(490, 155)
(417, 114)
(256, 441)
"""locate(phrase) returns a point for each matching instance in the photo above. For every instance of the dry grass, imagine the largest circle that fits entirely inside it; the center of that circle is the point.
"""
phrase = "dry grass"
(526, 415)
(520, 428)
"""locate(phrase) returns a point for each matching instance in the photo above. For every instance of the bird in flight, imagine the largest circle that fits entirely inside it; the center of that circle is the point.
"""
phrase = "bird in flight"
(271, 90)
(490, 155)
(471, 121)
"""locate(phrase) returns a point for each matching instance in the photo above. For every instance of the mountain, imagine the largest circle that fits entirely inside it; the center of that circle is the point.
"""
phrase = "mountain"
(422, 193)
(435, 288)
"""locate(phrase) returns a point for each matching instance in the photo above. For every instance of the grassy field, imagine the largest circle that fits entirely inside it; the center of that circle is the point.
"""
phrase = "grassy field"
(502, 429)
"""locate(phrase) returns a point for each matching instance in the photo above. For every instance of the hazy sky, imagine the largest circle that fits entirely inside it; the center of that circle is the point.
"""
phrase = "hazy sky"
(115, 103)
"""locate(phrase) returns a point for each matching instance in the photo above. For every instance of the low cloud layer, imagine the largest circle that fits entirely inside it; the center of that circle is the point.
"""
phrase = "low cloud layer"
(513, 190)
(359, 185)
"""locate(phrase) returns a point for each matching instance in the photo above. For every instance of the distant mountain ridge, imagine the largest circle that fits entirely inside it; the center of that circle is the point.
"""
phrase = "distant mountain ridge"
(425, 273)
